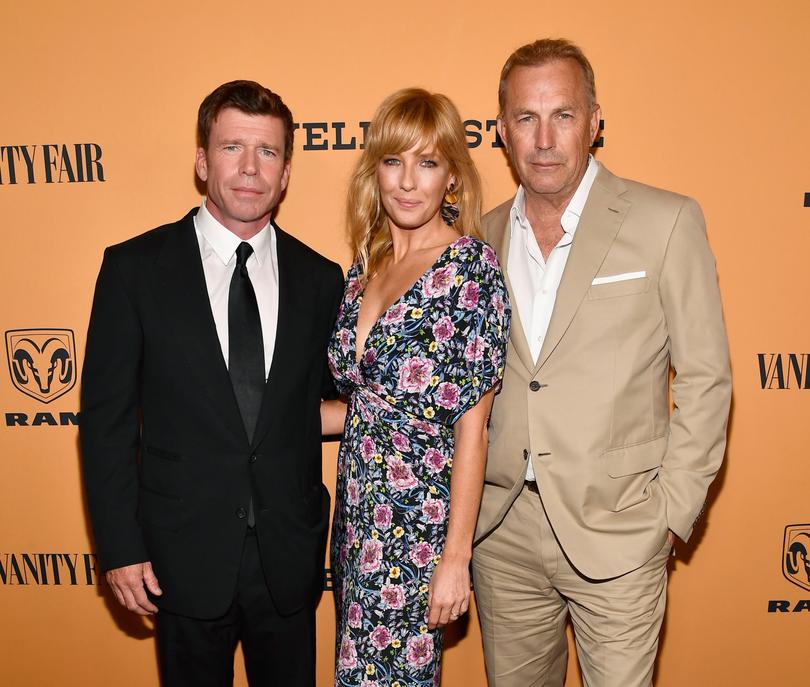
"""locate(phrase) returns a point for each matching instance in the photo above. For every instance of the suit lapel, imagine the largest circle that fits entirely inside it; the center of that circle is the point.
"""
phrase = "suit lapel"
(601, 219)
(500, 241)
(183, 293)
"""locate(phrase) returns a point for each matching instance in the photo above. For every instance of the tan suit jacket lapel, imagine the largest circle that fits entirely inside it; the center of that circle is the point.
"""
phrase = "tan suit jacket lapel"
(601, 219)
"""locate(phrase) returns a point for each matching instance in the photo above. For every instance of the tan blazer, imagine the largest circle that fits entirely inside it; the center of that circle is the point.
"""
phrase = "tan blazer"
(615, 469)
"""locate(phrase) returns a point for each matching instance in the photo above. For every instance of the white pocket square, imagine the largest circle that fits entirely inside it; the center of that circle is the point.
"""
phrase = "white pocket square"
(625, 276)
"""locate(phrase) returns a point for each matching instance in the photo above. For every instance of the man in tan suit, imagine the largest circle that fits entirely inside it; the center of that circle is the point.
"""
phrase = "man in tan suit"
(590, 477)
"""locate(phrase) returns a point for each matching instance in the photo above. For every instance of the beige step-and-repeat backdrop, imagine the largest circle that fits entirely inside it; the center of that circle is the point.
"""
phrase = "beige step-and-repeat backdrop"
(97, 144)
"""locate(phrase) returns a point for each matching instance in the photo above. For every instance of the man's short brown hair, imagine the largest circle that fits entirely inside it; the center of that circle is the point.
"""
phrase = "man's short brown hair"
(248, 97)
(541, 52)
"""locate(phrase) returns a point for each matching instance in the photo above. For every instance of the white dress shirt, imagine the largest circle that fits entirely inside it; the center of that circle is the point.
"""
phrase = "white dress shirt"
(218, 251)
(534, 279)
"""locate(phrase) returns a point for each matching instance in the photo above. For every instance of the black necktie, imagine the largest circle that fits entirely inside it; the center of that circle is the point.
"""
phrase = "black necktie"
(245, 345)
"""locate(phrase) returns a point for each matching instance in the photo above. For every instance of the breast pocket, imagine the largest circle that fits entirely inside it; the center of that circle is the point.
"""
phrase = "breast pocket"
(627, 287)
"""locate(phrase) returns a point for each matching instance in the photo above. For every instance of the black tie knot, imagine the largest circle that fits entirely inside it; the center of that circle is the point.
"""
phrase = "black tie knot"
(243, 252)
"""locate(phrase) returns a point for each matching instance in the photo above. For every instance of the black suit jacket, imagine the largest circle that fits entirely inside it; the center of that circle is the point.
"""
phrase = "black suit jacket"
(169, 471)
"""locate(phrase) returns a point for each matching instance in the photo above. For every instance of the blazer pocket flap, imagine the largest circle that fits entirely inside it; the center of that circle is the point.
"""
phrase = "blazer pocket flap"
(631, 460)
(625, 287)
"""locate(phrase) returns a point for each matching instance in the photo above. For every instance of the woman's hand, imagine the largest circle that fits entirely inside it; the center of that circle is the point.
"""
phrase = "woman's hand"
(449, 591)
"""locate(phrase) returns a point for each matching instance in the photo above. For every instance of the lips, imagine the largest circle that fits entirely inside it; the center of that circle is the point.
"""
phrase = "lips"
(407, 203)
(248, 190)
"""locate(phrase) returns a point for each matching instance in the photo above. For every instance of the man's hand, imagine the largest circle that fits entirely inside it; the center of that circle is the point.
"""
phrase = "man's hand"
(128, 586)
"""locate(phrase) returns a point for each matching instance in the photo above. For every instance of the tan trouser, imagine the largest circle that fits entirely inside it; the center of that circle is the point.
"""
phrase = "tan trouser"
(525, 588)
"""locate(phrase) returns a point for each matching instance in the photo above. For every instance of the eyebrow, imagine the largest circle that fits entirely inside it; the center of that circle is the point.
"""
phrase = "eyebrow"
(242, 141)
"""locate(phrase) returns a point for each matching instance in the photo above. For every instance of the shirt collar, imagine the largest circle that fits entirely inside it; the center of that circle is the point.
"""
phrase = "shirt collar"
(224, 242)
(572, 212)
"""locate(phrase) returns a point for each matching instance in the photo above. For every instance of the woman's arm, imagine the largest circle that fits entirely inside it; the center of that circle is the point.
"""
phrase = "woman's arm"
(333, 417)
(450, 584)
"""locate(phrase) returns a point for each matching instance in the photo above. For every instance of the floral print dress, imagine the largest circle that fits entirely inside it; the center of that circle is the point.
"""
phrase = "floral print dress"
(428, 359)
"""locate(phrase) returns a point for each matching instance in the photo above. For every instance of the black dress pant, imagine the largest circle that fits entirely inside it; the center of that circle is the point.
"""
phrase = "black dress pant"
(279, 650)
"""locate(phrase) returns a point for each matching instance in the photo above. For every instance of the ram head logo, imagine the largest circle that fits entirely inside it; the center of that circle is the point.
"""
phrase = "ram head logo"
(42, 362)
(796, 555)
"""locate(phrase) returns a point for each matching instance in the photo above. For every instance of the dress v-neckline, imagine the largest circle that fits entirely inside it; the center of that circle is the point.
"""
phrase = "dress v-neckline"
(359, 301)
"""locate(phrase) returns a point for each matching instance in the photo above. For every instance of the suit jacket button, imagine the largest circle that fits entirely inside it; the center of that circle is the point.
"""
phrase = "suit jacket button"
(241, 513)
(252, 458)
(534, 385)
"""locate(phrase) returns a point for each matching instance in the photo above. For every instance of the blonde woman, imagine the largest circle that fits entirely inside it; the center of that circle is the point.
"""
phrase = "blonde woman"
(418, 352)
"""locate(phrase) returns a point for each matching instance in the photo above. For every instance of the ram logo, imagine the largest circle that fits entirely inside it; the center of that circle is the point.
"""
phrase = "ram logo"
(42, 362)
(796, 555)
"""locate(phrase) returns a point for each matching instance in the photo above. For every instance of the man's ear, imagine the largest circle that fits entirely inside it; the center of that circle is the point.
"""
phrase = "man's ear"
(201, 164)
(596, 117)
(285, 175)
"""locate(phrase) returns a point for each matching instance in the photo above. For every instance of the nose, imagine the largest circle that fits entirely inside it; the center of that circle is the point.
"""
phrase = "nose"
(407, 181)
(248, 162)
(544, 136)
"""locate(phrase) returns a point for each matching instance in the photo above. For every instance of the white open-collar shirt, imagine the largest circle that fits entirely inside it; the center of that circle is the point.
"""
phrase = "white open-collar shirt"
(218, 252)
(534, 279)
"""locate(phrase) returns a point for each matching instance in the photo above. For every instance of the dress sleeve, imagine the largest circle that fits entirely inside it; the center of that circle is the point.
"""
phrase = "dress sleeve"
(483, 295)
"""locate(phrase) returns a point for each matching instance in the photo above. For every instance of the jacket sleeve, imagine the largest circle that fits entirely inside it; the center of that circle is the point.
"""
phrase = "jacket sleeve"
(701, 389)
(109, 424)
(334, 296)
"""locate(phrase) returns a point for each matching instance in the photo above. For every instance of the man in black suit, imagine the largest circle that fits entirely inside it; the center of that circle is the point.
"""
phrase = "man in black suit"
(200, 425)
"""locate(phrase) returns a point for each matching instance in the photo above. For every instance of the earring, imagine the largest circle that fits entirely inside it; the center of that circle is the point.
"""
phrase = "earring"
(449, 208)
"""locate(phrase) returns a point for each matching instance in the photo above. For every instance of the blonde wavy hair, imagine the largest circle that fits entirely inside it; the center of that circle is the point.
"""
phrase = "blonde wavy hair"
(405, 119)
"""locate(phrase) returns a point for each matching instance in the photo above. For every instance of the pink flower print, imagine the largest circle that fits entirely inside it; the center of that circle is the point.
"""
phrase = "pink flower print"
(369, 356)
(499, 305)
(367, 448)
(355, 614)
(443, 329)
(353, 492)
(422, 554)
(447, 395)
(414, 375)
(353, 288)
(475, 349)
(434, 460)
(433, 510)
(392, 595)
(396, 313)
(379, 391)
(468, 296)
(399, 474)
(463, 241)
(382, 516)
(351, 535)
(348, 654)
(371, 556)
(420, 650)
(400, 442)
(343, 339)
(365, 682)
(489, 256)
(439, 282)
(426, 427)
(380, 637)
(352, 376)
